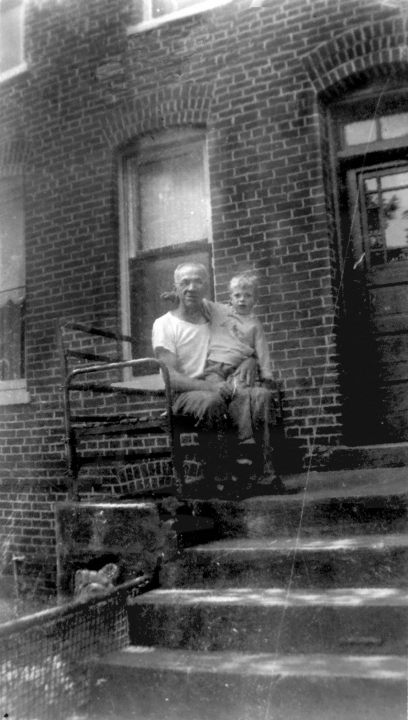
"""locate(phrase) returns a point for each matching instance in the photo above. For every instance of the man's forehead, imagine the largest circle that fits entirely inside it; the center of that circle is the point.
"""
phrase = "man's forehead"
(191, 271)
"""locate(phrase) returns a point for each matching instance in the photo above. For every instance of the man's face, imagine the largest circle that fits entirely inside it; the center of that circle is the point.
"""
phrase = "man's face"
(191, 286)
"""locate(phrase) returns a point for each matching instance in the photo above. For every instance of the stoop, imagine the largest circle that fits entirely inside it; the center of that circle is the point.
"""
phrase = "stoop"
(296, 611)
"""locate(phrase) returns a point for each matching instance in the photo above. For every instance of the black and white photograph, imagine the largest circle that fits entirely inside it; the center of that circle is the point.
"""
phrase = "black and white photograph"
(203, 359)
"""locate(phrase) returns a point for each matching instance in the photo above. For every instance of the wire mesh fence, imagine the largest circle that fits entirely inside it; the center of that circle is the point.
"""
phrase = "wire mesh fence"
(44, 658)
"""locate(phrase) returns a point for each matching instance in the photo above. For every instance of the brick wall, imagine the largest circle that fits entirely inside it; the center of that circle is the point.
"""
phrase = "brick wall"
(258, 78)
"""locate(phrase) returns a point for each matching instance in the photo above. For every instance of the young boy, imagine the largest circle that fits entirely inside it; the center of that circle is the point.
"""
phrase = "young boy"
(238, 335)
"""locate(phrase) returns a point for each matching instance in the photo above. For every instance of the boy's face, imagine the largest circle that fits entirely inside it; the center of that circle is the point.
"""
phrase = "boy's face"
(242, 299)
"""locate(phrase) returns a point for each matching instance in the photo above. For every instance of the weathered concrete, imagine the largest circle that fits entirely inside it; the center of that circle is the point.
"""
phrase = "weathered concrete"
(157, 684)
(367, 561)
(132, 534)
(296, 612)
(354, 620)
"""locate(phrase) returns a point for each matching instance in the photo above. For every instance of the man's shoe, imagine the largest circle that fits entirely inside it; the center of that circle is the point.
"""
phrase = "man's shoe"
(271, 485)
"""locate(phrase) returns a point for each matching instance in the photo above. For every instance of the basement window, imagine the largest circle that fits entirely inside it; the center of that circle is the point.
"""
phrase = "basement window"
(157, 12)
(11, 38)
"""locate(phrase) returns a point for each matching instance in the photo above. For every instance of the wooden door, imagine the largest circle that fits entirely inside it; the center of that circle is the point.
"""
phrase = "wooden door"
(377, 304)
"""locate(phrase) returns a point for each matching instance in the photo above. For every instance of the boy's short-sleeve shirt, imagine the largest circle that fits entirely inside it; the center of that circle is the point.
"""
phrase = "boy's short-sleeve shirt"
(235, 338)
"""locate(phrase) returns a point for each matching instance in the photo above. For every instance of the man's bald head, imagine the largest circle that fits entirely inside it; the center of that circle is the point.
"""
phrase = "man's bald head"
(194, 268)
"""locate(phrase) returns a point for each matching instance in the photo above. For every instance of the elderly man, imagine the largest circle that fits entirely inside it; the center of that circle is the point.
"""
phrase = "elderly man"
(181, 340)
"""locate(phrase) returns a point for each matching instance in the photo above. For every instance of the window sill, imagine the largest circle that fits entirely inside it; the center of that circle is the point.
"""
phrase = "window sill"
(12, 72)
(13, 392)
(178, 15)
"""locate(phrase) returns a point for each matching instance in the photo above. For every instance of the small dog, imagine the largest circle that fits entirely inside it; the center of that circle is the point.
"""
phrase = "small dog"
(92, 583)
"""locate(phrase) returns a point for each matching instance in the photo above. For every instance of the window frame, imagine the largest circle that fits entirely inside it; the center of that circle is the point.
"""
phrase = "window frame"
(150, 22)
(14, 392)
(356, 186)
(346, 161)
(163, 145)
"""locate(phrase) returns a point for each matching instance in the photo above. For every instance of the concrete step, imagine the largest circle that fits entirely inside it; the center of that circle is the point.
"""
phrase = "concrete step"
(293, 563)
(339, 503)
(356, 620)
(142, 683)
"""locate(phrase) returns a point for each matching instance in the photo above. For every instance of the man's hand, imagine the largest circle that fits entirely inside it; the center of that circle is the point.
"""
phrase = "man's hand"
(247, 371)
(222, 387)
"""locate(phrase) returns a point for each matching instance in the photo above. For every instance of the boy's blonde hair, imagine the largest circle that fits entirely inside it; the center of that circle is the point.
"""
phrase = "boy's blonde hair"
(246, 279)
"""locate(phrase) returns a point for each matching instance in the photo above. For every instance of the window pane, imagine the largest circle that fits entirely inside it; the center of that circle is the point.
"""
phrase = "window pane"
(164, 7)
(370, 184)
(397, 180)
(372, 207)
(11, 35)
(359, 133)
(173, 202)
(393, 126)
(11, 336)
(12, 271)
(12, 280)
(395, 207)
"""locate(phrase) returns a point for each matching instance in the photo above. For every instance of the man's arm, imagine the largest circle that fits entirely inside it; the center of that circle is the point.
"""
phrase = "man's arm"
(183, 383)
(178, 380)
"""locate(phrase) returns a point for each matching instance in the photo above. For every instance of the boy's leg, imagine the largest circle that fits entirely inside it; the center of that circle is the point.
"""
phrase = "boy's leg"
(265, 472)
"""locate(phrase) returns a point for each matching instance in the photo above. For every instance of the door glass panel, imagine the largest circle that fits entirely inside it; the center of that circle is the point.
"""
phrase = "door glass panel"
(394, 181)
(395, 204)
(370, 184)
(385, 216)
(373, 218)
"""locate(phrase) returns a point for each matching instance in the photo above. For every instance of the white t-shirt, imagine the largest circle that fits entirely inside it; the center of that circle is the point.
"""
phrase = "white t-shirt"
(189, 342)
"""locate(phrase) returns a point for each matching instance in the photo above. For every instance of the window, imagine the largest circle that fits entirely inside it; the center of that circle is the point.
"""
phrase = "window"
(12, 291)
(165, 220)
(11, 37)
(156, 12)
(386, 127)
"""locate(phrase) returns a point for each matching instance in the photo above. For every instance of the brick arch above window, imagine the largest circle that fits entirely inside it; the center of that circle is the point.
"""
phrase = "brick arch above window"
(379, 48)
(174, 106)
